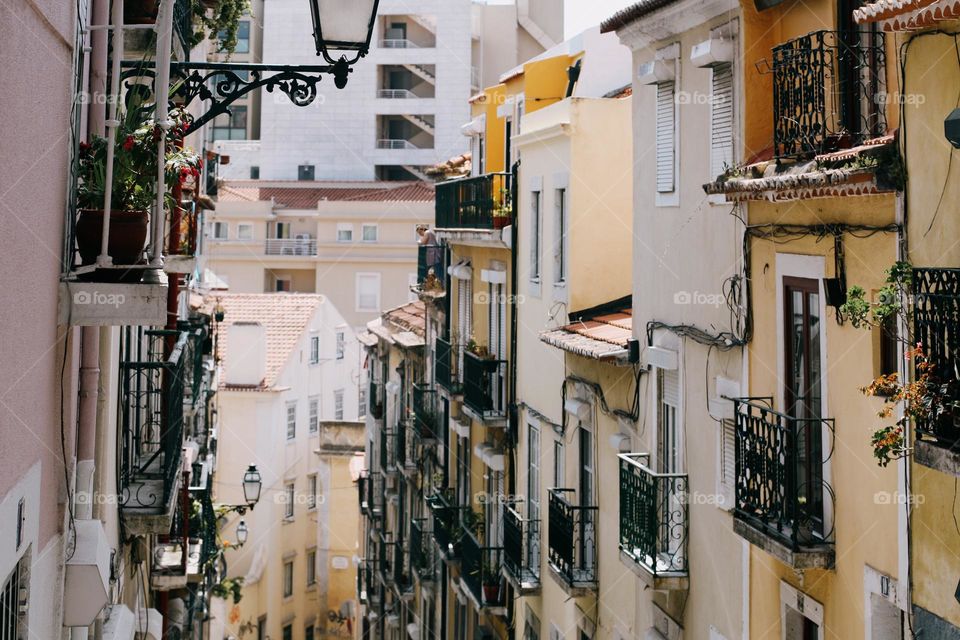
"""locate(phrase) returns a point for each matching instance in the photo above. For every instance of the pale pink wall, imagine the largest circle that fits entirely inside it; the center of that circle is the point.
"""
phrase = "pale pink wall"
(36, 42)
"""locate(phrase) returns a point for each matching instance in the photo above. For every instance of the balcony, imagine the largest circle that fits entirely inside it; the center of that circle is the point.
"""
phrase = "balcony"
(783, 505)
(389, 143)
(426, 414)
(445, 366)
(482, 202)
(827, 92)
(181, 556)
(397, 94)
(653, 522)
(364, 581)
(572, 543)
(423, 553)
(521, 549)
(407, 442)
(936, 314)
(484, 388)
(447, 532)
(151, 427)
(480, 572)
(370, 486)
(376, 398)
(432, 263)
(304, 246)
(389, 439)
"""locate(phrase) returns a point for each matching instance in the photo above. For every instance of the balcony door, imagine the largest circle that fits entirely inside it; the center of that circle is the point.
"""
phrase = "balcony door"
(803, 402)
(669, 460)
(588, 498)
(497, 323)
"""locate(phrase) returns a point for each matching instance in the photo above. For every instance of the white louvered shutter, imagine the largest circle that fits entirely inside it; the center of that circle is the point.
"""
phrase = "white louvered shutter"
(728, 462)
(721, 119)
(666, 130)
(462, 310)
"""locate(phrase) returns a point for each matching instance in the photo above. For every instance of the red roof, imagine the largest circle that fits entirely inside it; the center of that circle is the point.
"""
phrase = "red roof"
(307, 195)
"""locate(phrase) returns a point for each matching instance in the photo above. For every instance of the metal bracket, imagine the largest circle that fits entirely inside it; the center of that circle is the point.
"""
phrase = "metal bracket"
(220, 84)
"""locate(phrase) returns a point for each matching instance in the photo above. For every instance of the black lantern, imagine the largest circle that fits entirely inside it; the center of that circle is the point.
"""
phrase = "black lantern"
(343, 25)
(242, 533)
(251, 485)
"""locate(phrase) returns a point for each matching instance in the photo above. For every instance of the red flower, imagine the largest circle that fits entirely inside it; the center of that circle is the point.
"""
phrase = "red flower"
(128, 143)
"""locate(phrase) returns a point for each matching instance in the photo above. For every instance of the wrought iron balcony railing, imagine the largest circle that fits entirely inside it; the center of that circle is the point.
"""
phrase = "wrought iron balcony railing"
(827, 92)
(386, 557)
(572, 539)
(446, 369)
(151, 416)
(423, 553)
(484, 385)
(370, 486)
(432, 263)
(481, 202)
(426, 420)
(447, 532)
(389, 439)
(521, 548)
(481, 571)
(653, 516)
(936, 320)
(780, 485)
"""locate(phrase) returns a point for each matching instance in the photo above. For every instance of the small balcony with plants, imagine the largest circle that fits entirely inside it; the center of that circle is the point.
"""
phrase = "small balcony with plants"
(153, 371)
(654, 523)
(484, 385)
(423, 553)
(572, 543)
(446, 516)
(783, 503)
(476, 208)
(446, 368)
(521, 549)
(432, 263)
(481, 572)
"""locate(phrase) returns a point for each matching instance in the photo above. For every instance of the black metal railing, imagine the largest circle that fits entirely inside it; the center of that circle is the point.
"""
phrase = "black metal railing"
(363, 581)
(370, 486)
(445, 365)
(426, 419)
(521, 547)
(480, 570)
(936, 325)
(484, 384)
(183, 24)
(572, 539)
(653, 516)
(447, 532)
(151, 417)
(388, 450)
(209, 550)
(827, 91)
(432, 260)
(481, 202)
(386, 556)
(780, 485)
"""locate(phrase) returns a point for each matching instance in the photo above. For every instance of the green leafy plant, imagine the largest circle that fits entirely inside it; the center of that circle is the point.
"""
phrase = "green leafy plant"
(228, 588)
(863, 314)
(219, 20)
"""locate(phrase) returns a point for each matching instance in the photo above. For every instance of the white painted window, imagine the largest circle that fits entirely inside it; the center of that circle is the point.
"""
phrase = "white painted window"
(368, 292)
(669, 449)
(288, 579)
(536, 228)
(281, 230)
(464, 319)
(314, 349)
(555, 633)
(341, 344)
(338, 404)
(560, 227)
(221, 230)
(344, 232)
(721, 119)
(311, 570)
(289, 492)
(291, 420)
(244, 231)
(801, 617)
(666, 122)
(14, 593)
(369, 232)
(314, 425)
(558, 466)
(312, 491)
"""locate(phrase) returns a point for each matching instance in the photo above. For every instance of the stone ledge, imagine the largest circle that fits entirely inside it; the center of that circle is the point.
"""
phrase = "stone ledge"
(574, 591)
(674, 581)
(813, 557)
(936, 457)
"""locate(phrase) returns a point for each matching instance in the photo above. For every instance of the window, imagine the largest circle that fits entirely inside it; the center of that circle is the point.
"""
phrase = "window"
(291, 420)
(338, 404)
(311, 567)
(308, 632)
(243, 37)
(221, 230)
(463, 471)
(560, 237)
(344, 232)
(728, 461)
(282, 284)
(288, 632)
(12, 621)
(232, 125)
(289, 494)
(262, 628)
(368, 292)
(314, 349)
(341, 344)
(558, 472)
(281, 230)
(668, 434)
(312, 491)
(244, 231)
(305, 172)
(368, 232)
(533, 474)
(254, 173)
(362, 402)
(587, 474)
(666, 136)
(314, 415)
(287, 584)
(721, 119)
(802, 616)
(535, 230)
(531, 626)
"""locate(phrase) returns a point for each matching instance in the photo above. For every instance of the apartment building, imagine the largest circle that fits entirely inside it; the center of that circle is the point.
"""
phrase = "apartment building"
(288, 398)
(402, 110)
(352, 241)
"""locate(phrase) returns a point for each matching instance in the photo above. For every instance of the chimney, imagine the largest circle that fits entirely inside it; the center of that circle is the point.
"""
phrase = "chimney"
(246, 358)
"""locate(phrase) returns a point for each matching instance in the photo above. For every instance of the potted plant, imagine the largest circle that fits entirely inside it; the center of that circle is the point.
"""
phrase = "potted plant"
(133, 191)
(503, 210)
(219, 20)
(491, 582)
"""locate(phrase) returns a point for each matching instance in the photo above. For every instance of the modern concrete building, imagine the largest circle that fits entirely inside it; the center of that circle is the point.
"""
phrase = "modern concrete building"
(402, 109)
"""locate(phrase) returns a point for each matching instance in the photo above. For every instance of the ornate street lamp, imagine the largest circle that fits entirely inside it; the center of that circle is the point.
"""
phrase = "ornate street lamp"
(251, 486)
(242, 533)
(343, 25)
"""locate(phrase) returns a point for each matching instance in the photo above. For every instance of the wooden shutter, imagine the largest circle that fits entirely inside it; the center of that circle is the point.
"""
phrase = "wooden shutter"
(721, 119)
(666, 130)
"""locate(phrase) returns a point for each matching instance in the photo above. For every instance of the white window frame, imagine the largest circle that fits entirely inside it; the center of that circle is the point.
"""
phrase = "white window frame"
(288, 578)
(669, 55)
(338, 409)
(536, 234)
(216, 226)
(311, 567)
(279, 279)
(341, 344)
(561, 240)
(361, 402)
(242, 228)
(360, 276)
(363, 231)
(345, 227)
(290, 498)
(792, 599)
(314, 414)
(311, 491)
(291, 421)
(314, 348)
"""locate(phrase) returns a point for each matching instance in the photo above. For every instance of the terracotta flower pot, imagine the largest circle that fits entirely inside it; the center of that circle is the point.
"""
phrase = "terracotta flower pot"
(491, 593)
(128, 235)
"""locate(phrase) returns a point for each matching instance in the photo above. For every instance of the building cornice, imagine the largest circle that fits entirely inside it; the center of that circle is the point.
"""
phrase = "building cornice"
(674, 19)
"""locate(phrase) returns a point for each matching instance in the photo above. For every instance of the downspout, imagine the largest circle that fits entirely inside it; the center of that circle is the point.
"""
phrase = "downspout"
(514, 429)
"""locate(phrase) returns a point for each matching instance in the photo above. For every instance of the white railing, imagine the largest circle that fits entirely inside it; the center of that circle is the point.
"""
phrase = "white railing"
(397, 94)
(396, 144)
(291, 247)
(398, 43)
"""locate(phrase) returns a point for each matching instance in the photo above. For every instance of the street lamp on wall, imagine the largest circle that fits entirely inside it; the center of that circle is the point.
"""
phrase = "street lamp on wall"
(343, 25)
(242, 533)
(252, 484)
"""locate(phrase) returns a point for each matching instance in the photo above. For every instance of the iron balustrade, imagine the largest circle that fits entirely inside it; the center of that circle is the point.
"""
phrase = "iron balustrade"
(386, 557)
(426, 420)
(827, 91)
(423, 556)
(388, 450)
(481, 202)
(480, 570)
(432, 259)
(290, 247)
(445, 367)
(572, 539)
(484, 384)
(653, 516)
(447, 532)
(521, 547)
(151, 417)
(370, 485)
(183, 24)
(936, 325)
(780, 486)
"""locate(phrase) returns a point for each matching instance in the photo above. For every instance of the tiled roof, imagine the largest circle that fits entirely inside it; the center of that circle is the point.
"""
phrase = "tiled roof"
(905, 15)
(455, 167)
(625, 16)
(600, 337)
(403, 325)
(284, 316)
(307, 197)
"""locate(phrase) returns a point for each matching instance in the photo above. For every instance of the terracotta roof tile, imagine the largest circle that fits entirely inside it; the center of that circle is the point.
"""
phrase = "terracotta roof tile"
(307, 197)
(634, 12)
(407, 317)
(600, 337)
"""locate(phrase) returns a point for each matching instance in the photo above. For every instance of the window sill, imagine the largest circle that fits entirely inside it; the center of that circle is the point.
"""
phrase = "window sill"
(287, 519)
(533, 287)
(560, 292)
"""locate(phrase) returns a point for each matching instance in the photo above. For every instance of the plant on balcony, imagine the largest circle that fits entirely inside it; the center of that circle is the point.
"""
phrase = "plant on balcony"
(133, 191)
(228, 588)
(477, 349)
(491, 582)
(503, 210)
(219, 20)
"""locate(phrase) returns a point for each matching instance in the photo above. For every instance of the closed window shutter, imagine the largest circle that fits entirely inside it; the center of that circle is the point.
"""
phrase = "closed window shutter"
(670, 387)
(463, 295)
(727, 462)
(666, 124)
(721, 119)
